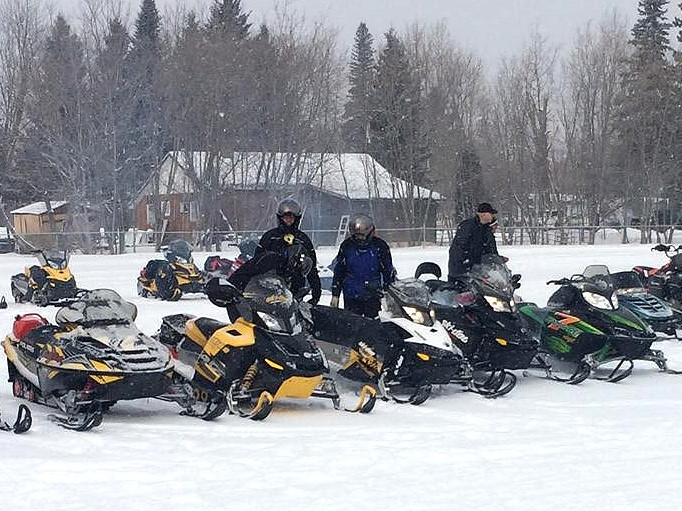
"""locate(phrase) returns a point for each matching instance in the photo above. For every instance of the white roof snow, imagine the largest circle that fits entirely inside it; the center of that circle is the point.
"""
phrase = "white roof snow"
(37, 208)
(352, 175)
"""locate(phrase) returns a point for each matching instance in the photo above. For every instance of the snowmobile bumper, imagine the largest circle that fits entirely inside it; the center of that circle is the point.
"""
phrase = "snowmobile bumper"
(103, 385)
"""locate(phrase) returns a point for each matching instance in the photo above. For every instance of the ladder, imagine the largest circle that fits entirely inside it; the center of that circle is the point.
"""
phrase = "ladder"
(343, 228)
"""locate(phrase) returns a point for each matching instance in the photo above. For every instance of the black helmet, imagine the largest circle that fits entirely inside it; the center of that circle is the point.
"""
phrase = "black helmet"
(298, 261)
(289, 207)
(360, 226)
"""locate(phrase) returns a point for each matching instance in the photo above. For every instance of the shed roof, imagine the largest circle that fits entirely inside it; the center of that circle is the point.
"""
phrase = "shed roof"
(38, 208)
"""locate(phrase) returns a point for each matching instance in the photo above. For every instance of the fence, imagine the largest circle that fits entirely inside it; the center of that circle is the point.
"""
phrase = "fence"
(134, 240)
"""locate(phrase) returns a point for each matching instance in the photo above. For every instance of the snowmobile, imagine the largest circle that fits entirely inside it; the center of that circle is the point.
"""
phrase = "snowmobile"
(632, 294)
(216, 266)
(93, 357)
(480, 314)
(584, 329)
(169, 279)
(22, 423)
(666, 281)
(405, 353)
(264, 355)
(48, 284)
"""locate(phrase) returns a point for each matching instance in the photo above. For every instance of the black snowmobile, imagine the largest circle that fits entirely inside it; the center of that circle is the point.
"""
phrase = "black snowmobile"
(93, 357)
(666, 281)
(48, 284)
(480, 314)
(266, 354)
(584, 329)
(169, 279)
(632, 294)
(407, 352)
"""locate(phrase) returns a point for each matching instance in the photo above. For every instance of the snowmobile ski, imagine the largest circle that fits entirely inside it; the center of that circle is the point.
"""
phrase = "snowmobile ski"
(498, 383)
(366, 401)
(580, 373)
(22, 423)
(87, 417)
(248, 404)
(403, 394)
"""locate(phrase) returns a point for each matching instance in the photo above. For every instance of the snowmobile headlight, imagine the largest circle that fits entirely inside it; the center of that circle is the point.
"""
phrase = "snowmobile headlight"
(498, 304)
(418, 316)
(271, 322)
(597, 300)
(424, 356)
(501, 341)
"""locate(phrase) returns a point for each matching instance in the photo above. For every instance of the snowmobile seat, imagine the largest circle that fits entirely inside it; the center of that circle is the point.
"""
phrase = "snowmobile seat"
(151, 268)
(208, 326)
(24, 324)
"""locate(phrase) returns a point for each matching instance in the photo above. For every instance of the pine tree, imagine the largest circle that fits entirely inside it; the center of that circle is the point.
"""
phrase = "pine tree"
(361, 78)
(398, 136)
(143, 68)
(647, 112)
(396, 125)
(227, 17)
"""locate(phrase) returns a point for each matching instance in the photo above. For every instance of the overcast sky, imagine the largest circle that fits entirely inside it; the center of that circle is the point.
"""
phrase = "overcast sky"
(492, 28)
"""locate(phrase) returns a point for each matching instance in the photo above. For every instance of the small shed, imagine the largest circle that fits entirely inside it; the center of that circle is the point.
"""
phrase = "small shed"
(35, 222)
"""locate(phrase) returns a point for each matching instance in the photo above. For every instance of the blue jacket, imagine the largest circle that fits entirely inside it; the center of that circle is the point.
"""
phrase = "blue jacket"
(362, 268)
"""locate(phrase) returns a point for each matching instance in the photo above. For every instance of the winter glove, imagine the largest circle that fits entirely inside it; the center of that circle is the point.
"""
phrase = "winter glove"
(313, 300)
(334, 302)
(221, 292)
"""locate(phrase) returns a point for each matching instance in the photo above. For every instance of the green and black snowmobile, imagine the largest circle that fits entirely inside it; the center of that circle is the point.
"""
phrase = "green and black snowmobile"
(584, 331)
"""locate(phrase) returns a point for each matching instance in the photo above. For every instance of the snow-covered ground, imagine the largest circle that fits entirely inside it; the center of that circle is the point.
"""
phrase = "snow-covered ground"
(544, 446)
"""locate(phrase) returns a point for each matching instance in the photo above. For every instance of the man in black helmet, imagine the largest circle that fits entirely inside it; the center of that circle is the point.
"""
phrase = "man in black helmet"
(287, 234)
(363, 268)
(473, 239)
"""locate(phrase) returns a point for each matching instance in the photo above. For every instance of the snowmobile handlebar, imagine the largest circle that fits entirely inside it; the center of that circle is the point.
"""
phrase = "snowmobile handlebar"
(563, 281)
(667, 248)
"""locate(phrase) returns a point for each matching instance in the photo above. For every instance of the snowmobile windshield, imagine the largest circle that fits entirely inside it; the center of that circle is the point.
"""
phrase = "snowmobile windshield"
(97, 307)
(412, 292)
(410, 298)
(627, 280)
(272, 301)
(676, 261)
(601, 284)
(179, 250)
(493, 273)
(57, 259)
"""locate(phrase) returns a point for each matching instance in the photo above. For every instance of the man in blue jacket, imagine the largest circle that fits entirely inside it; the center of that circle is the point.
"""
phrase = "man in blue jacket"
(363, 269)
(473, 239)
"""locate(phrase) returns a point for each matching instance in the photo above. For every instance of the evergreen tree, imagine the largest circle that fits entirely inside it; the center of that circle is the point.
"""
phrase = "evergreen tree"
(227, 17)
(396, 128)
(361, 78)
(398, 137)
(145, 144)
(647, 112)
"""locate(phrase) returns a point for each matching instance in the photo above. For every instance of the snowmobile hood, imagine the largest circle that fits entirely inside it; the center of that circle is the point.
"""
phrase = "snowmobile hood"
(97, 307)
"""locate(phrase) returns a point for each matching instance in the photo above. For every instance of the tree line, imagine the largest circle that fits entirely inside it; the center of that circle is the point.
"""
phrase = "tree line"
(585, 137)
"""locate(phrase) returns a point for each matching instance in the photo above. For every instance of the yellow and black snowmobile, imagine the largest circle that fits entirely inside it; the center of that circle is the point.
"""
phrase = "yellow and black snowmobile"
(169, 279)
(265, 355)
(93, 357)
(47, 284)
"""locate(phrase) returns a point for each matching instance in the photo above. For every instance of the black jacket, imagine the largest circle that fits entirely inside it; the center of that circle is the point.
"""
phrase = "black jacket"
(278, 240)
(472, 240)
